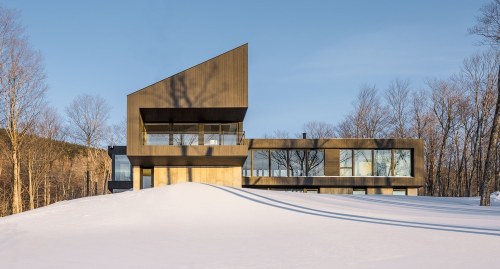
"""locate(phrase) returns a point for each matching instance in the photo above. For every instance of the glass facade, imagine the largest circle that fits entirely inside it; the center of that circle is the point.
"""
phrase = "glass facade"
(345, 162)
(316, 162)
(304, 162)
(191, 134)
(246, 169)
(400, 192)
(359, 191)
(279, 160)
(122, 168)
(147, 178)
(362, 162)
(260, 163)
(297, 163)
(156, 134)
(383, 163)
(402, 162)
(185, 134)
(229, 134)
(211, 134)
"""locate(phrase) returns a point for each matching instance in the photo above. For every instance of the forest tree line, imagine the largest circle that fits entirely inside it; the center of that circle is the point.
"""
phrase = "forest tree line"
(46, 157)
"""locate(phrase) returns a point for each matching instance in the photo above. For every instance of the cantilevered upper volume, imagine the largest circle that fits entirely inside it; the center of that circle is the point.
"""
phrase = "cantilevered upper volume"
(168, 117)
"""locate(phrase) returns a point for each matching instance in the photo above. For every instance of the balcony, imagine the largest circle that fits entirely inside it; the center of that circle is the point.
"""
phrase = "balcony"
(166, 138)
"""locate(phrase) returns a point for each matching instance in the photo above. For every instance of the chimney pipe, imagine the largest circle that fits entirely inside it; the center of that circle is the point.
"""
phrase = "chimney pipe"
(304, 135)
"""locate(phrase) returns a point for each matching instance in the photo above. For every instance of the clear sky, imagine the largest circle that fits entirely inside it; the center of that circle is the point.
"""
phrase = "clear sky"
(307, 59)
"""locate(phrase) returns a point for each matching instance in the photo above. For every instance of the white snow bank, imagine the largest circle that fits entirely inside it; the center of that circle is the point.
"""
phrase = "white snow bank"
(496, 196)
(201, 226)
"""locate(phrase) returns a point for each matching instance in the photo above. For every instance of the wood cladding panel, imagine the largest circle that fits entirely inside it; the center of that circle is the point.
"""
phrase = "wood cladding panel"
(136, 177)
(335, 190)
(334, 143)
(412, 191)
(225, 176)
(332, 158)
(383, 191)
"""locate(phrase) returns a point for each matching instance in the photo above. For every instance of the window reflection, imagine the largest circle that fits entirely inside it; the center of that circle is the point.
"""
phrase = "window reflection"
(260, 163)
(156, 134)
(247, 165)
(122, 168)
(279, 163)
(346, 162)
(147, 178)
(402, 162)
(382, 163)
(229, 134)
(363, 162)
(316, 162)
(297, 163)
(211, 134)
(185, 134)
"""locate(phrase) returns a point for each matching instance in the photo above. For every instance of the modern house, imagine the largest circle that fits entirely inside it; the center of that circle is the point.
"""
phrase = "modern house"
(190, 128)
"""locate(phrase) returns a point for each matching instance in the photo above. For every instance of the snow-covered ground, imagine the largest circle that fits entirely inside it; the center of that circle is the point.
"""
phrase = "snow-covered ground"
(203, 226)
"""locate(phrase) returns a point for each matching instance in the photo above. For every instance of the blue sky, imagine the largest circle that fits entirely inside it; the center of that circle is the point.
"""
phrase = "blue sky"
(307, 59)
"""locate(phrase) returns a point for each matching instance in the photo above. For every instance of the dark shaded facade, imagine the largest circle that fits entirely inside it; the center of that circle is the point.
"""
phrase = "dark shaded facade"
(189, 128)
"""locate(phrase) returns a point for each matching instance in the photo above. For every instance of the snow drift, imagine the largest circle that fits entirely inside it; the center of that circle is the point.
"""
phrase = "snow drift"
(203, 226)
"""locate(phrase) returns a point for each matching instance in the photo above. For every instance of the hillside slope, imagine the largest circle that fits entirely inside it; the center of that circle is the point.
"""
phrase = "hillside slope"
(202, 226)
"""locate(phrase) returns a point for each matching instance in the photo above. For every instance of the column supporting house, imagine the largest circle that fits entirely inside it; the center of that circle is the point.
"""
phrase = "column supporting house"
(136, 177)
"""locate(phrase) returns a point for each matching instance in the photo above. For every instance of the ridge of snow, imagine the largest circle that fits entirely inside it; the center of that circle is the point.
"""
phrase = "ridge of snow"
(193, 225)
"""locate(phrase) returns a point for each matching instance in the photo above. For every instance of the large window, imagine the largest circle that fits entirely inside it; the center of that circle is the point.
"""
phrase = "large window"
(211, 134)
(279, 160)
(316, 162)
(383, 163)
(260, 163)
(359, 191)
(247, 165)
(122, 168)
(380, 162)
(399, 192)
(402, 162)
(346, 162)
(362, 162)
(156, 134)
(297, 163)
(147, 178)
(185, 134)
(189, 134)
(229, 134)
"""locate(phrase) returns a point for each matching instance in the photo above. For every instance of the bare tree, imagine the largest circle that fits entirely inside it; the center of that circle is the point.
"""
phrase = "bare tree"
(316, 130)
(278, 134)
(488, 27)
(88, 115)
(397, 97)
(368, 120)
(117, 133)
(22, 88)
(419, 113)
(484, 190)
(445, 100)
(488, 24)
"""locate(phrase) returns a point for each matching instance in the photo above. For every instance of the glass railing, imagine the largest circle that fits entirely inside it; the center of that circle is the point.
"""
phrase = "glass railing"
(192, 138)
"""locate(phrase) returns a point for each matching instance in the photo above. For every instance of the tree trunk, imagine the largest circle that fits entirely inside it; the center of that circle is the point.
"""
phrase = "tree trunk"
(17, 206)
(30, 182)
(88, 169)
